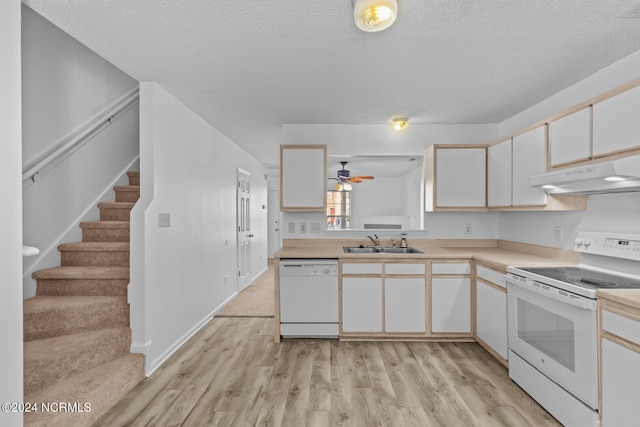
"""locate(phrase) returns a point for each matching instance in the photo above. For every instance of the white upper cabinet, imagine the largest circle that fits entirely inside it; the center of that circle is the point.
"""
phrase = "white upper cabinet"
(499, 175)
(570, 138)
(616, 123)
(303, 177)
(529, 158)
(461, 177)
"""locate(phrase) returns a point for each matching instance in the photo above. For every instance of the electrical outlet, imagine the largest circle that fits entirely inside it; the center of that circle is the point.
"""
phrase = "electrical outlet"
(291, 227)
(557, 232)
(303, 227)
(315, 227)
(468, 229)
(164, 220)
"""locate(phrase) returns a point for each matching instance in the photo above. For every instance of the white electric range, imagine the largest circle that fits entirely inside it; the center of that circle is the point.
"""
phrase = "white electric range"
(552, 323)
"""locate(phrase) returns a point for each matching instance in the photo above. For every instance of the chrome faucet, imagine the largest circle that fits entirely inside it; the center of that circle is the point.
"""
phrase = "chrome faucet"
(375, 241)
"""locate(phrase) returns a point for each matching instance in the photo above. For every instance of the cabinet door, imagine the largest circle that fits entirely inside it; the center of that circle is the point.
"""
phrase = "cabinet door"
(499, 175)
(620, 375)
(303, 177)
(461, 177)
(450, 304)
(616, 123)
(529, 158)
(362, 304)
(404, 303)
(570, 137)
(491, 317)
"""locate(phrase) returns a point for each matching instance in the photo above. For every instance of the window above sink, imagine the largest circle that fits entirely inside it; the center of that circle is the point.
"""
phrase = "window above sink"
(393, 200)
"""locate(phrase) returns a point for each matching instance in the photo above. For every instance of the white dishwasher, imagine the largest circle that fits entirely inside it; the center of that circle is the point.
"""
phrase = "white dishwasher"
(309, 298)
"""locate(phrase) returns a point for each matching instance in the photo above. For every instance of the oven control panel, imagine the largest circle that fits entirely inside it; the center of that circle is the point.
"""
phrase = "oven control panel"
(625, 246)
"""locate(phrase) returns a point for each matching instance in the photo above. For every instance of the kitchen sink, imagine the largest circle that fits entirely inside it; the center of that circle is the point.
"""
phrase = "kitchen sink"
(380, 250)
(408, 250)
(359, 250)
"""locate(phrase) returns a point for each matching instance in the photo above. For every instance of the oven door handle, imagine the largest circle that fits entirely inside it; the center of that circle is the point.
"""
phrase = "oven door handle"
(578, 301)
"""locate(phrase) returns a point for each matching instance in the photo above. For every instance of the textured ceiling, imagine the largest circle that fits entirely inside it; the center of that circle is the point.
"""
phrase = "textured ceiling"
(249, 66)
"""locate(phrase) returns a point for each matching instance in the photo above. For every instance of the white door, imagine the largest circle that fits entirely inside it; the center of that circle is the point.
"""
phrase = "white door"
(244, 229)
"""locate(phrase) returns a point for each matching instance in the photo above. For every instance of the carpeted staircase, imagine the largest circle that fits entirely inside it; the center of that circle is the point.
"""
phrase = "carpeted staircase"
(76, 328)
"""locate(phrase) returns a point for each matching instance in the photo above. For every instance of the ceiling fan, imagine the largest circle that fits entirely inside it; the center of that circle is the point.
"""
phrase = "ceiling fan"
(345, 179)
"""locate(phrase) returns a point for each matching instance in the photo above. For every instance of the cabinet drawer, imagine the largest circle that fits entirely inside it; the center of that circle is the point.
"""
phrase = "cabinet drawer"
(490, 275)
(450, 268)
(403, 268)
(361, 268)
(621, 326)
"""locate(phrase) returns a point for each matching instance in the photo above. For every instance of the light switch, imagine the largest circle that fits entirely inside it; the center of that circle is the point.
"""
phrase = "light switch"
(164, 220)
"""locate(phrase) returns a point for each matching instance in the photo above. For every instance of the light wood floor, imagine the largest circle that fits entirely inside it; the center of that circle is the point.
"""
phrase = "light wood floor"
(231, 373)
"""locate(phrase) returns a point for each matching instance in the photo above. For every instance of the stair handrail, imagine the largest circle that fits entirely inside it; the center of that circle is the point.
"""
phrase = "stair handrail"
(86, 133)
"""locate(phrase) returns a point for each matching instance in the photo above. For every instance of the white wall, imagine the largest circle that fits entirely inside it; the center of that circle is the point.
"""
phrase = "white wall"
(11, 212)
(610, 212)
(64, 85)
(380, 140)
(188, 169)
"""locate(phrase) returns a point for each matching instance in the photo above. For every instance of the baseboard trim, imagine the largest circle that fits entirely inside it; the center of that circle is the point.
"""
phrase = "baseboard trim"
(151, 366)
(140, 348)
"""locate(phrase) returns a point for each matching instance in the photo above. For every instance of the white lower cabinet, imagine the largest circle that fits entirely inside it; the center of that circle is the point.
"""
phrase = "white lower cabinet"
(450, 304)
(491, 317)
(620, 385)
(620, 364)
(362, 304)
(404, 303)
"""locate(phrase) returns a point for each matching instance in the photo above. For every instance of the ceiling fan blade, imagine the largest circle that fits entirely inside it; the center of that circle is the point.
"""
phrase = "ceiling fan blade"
(355, 180)
(361, 177)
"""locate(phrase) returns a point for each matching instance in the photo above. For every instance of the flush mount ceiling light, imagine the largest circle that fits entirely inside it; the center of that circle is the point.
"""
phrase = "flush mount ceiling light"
(374, 15)
(399, 123)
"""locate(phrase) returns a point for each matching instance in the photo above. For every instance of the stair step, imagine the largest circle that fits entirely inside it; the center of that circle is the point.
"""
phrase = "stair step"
(82, 281)
(53, 316)
(50, 360)
(94, 253)
(101, 387)
(115, 211)
(134, 177)
(129, 193)
(105, 231)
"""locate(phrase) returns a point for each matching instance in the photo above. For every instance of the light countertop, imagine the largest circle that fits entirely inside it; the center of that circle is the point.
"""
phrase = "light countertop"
(630, 297)
(498, 257)
(498, 254)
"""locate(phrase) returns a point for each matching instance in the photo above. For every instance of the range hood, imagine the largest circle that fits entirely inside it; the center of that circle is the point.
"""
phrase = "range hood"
(613, 176)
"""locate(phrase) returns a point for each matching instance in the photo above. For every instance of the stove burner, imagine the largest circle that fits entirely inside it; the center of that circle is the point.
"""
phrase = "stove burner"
(583, 277)
(586, 281)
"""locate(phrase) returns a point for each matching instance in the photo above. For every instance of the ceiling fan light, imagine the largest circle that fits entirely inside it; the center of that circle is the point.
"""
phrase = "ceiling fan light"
(375, 15)
(347, 186)
(399, 123)
(339, 186)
